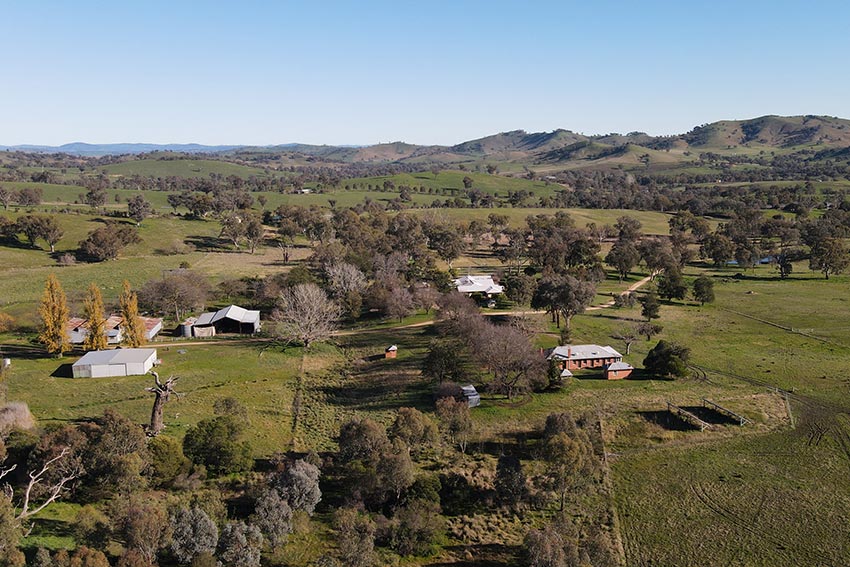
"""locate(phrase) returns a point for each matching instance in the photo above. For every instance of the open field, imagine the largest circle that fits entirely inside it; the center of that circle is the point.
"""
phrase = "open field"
(183, 168)
(260, 375)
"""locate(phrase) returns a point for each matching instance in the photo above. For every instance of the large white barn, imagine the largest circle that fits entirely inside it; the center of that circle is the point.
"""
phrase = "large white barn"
(118, 362)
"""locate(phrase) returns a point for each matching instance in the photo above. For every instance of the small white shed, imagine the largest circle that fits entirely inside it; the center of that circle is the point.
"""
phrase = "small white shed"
(118, 362)
(471, 395)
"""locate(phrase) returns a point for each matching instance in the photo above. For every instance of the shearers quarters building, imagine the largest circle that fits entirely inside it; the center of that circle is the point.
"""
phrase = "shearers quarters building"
(578, 357)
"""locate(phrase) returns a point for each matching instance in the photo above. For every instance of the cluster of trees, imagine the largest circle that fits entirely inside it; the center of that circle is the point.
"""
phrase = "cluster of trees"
(33, 228)
(54, 314)
(469, 341)
(103, 243)
(26, 197)
(749, 237)
(147, 495)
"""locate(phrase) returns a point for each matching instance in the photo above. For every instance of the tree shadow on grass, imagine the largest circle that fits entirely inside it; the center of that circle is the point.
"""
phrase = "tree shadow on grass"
(207, 243)
(22, 352)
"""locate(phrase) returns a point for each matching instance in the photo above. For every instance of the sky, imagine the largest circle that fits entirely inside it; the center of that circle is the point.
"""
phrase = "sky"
(427, 72)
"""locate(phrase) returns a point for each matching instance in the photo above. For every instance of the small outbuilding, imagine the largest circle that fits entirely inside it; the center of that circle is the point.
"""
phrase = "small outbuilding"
(391, 351)
(117, 362)
(473, 398)
(617, 370)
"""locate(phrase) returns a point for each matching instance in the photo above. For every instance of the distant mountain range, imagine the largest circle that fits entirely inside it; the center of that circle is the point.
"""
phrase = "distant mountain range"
(766, 132)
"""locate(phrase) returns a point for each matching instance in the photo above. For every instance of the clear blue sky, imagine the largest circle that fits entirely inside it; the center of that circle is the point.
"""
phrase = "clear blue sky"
(362, 72)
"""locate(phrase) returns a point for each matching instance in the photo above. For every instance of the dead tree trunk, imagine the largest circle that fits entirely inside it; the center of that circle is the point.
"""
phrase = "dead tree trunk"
(163, 392)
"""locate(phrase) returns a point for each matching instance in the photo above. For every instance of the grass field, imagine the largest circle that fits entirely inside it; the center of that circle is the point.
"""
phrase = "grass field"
(261, 375)
(183, 168)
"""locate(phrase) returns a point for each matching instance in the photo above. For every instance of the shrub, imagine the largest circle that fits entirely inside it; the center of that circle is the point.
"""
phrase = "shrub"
(298, 485)
(167, 460)
(15, 415)
(193, 533)
(217, 444)
(668, 360)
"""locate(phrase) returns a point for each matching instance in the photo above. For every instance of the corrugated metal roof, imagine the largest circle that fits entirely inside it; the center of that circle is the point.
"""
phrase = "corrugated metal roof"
(583, 352)
(233, 312)
(477, 284)
(116, 356)
(619, 366)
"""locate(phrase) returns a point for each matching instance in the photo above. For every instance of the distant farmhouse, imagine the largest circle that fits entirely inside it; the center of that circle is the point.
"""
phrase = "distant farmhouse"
(231, 319)
(578, 357)
(478, 284)
(113, 329)
(117, 362)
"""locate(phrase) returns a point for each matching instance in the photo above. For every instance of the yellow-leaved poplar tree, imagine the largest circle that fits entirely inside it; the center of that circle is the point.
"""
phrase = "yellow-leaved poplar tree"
(133, 327)
(96, 323)
(54, 318)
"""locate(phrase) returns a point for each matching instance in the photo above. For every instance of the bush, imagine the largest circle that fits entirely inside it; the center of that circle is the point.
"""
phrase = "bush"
(92, 527)
(414, 428)
(362, 439)
(66, 259)
(193, 533)
(298, 485)
(668, 360)
(416, 528)
(15, 415)
(167, 460)
(217, 444)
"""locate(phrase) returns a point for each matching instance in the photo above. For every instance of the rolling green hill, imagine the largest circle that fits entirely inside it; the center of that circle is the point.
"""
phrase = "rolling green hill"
(181, 168)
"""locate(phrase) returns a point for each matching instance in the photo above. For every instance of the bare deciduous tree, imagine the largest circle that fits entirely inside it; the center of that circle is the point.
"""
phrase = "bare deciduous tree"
(306, 314)
(24, 508)
(344, 278)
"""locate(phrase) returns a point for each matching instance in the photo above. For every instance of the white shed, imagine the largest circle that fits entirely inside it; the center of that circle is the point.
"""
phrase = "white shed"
(118, 362)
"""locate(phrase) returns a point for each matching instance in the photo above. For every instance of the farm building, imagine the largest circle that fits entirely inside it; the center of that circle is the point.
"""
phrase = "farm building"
(117, 362)
(113, 329)
(576, 357)
(617, 370)
(478, 284)
(231, 319)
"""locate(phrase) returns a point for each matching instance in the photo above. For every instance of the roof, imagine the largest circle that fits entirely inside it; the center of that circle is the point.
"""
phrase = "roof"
(566, 374)
(75, 323)
(392, 348)
(583, 352)
(469, 390)
(233, 312)
(477, 284)
(116, 356)
(619, 366)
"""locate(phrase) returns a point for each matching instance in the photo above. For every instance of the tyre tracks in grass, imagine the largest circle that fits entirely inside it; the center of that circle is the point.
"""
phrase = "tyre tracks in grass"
(799, 555)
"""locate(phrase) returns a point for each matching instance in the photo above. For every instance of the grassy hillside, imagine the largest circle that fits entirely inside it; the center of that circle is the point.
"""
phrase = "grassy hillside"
(181, 168)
